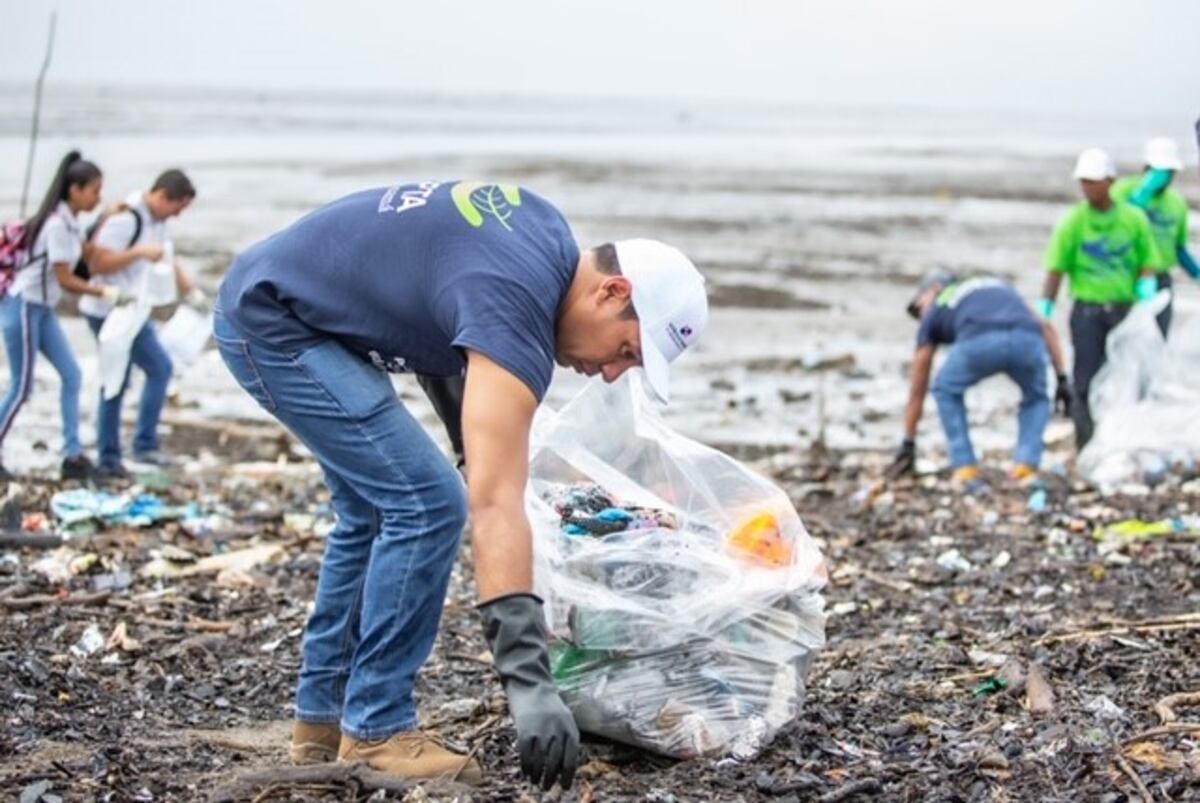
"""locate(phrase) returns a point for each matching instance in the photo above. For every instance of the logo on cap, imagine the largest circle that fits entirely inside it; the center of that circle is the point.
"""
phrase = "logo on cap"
(686, 331)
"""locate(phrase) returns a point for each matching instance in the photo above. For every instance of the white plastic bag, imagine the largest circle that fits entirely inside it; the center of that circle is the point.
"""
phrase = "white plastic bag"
(1133, 357)
(185, 335)
(690, 629)
(116, 337)
(161, 285)
(1144, 401)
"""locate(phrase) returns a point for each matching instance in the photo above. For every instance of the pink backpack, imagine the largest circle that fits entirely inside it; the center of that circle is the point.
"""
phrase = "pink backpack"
(13, 252)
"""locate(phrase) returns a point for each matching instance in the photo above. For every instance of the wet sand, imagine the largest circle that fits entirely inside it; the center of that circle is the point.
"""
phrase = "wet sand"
(811, 224)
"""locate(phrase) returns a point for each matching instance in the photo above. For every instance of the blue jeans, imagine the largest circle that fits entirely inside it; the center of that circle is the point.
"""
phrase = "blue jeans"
(1017, 353)
(28, 329)
(148, 354)
(401, 508)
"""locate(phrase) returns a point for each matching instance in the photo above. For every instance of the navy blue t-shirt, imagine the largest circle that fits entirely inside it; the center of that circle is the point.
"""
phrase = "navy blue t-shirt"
(968, 308)
(410, 276)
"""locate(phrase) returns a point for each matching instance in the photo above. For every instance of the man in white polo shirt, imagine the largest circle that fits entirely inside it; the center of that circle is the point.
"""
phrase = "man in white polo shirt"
(125, 247)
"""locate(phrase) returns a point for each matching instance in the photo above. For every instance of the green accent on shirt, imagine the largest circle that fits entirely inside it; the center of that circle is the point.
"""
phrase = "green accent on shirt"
(1102, 252)
(475, 199)
(1167, 212)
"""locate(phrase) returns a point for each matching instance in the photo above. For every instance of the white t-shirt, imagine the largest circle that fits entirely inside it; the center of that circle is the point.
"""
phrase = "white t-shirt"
(115, 235)
(59, 241)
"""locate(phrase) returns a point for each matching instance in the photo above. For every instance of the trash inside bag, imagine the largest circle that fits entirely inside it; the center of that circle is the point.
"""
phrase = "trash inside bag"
(682, 590)
(1144, 401)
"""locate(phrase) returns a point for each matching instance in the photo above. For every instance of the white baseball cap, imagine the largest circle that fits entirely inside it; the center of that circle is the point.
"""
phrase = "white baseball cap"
(670, 301)
(1162, 153)
(1095, 165)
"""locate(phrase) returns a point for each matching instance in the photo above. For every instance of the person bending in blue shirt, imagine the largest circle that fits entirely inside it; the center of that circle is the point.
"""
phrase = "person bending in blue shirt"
(993, 332)
(442, 279)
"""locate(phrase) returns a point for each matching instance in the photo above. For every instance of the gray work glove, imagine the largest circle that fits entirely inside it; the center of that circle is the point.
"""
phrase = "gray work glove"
(547, 737)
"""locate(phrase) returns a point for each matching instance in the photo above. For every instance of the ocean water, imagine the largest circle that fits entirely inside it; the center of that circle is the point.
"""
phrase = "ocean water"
(811, 223)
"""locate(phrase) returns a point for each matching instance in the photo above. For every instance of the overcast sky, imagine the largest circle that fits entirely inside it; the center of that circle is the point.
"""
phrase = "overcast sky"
(1075, 55)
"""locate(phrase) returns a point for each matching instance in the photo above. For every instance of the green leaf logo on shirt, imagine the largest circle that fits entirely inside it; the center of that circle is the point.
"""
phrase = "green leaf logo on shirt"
(475, 199)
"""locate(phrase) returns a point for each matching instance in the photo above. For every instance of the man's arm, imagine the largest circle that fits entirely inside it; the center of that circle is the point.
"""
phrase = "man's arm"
(497, 414)
(109, 251)
(1049, 293)
(918, 387)
(1054, 345)
(1146, 286)
(183, 281)
(905, 461)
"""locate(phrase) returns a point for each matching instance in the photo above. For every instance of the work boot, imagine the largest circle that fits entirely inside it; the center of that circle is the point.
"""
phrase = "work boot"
(314, 742)
(967, 480)
(412, 754)
(1023, 473)
(77, 468)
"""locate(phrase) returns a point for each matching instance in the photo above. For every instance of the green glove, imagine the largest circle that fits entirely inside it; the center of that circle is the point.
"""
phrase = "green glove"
(547, 737)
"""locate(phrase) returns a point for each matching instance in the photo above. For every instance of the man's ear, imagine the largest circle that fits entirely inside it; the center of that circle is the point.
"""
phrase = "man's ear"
(618, 288)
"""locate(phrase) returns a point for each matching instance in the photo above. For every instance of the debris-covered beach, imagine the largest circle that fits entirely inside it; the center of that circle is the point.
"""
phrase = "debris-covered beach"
(1030, 643)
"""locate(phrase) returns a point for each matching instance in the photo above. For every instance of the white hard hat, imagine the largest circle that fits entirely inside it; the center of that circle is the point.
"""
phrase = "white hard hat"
(1094, 164)
(1162, 153)
(670, 301)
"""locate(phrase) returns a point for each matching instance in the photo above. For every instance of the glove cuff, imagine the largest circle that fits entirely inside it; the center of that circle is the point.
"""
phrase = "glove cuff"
(1146, 288)
(483, 606)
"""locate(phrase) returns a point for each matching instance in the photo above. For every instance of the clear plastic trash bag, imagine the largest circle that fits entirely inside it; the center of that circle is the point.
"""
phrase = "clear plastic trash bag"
(1143, 400)
(682, 590)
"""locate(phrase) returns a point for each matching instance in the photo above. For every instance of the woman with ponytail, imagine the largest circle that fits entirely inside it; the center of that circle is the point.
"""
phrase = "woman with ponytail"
(27, 315)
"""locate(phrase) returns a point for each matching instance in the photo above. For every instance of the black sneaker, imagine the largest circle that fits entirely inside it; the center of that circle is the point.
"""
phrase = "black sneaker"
(77, 468)
(111, 472)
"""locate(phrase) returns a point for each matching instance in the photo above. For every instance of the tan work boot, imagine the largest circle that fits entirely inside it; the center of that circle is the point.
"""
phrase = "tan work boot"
(1023, 473)
(314, 742)
(412, 754)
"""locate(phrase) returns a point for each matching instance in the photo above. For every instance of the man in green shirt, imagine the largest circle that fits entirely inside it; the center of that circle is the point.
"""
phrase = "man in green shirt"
(1107, 249)
(1165, 208)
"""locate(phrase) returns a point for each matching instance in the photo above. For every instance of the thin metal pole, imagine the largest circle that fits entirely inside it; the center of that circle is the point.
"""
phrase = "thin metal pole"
(37, 111)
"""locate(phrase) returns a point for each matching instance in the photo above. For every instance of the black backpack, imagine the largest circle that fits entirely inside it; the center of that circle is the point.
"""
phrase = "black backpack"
(81, 267)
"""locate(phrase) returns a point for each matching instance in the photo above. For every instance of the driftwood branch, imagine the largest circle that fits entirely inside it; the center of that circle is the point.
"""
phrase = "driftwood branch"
(1163, 730)
(1164, 708)
(1132, 774)
(38, 600)
(248, 784)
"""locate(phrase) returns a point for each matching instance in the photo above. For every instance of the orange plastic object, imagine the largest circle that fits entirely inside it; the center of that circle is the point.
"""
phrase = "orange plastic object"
(759, 537)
